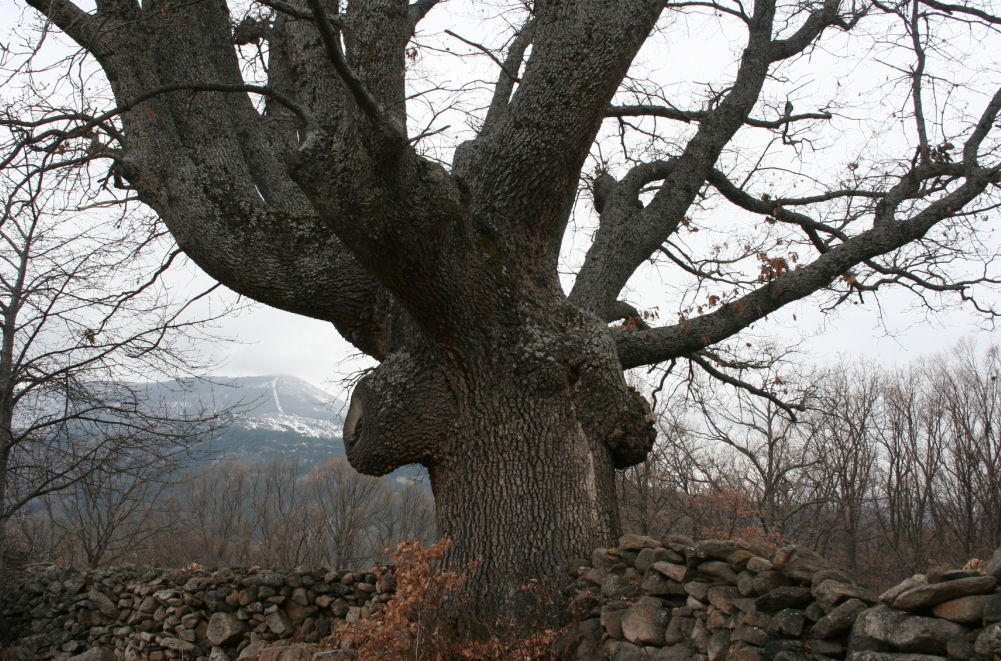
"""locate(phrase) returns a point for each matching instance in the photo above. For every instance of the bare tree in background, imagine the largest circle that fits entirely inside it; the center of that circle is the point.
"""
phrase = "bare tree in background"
(216, 508)
(112, 517)
(342, 509)
(404, 513)
(845, 422)
(283, 536)
(966, 385)
(84, 323)
(272, 139)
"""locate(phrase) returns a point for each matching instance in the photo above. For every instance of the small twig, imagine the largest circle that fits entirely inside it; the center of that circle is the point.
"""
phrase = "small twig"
(738, 383)
(512, 75)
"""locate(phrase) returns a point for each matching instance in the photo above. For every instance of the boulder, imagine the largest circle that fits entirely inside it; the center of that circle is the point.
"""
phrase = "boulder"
(679, 573)
(798, 563)
(880, 628)
(637, 542)
(892, 656)
(279, 624)
(644, 622)
(719, 571)
(988, 642)
(225, 629)
(784, 596)
(102, 603)
(891, 594)
(965, 610)
(994, 565)
(94, 654)
(925, 597)
(787, 623)
(831, 592)
(839, 620)
(285, 653)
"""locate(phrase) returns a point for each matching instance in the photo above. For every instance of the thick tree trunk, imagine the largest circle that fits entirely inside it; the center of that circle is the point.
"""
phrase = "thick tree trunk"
(521, 436)
(526, 490)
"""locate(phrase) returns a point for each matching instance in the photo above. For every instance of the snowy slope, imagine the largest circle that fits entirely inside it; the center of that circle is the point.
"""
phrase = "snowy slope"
(271, 415)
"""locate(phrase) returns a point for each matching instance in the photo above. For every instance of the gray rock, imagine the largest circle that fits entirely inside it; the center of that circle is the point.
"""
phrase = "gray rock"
(828, 648)
(798, 563)
(648, 556)
(645, 622)
(965, 610)
(989, 641)
(611, 619)
(219, 654)
(700, 636)
(622, 651)
(747, 654)
(791, 649)
(750, 634)
(723, 597)
(679, 573)
(674, 653)
(784, 596)
(279, 624)
(698, 589)
(881, 627)
(891, 594)
(719, 571)
(892, 656)
(768, 580)
(654, 583)
(787, 623)
(830, 593)
(756, 564)
(178, 645)
(103, 603)
(637, 542)
(960, 648)
(719, 643)
(994, 564)
(679, 629)
(992, 609)
(838, 620)
(94, 654)
(225, 629)
(745, 583)
(251, 651)
(926, 596)
(713, 549)
(614, 586)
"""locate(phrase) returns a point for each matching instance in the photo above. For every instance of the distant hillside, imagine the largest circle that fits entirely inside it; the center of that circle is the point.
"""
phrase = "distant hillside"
(276, 415)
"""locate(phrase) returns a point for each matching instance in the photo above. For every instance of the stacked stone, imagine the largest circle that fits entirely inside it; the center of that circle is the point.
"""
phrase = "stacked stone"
(944, 614)
(711, 600)
(128, 613)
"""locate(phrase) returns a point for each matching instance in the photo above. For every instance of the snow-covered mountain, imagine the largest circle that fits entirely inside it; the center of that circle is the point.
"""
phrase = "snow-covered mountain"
(275, 415)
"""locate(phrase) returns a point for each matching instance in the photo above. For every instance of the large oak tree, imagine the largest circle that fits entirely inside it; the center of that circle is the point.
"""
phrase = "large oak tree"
(303, 188)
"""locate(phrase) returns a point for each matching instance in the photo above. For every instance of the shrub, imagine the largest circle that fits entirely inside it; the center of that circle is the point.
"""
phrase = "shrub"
(420, 623)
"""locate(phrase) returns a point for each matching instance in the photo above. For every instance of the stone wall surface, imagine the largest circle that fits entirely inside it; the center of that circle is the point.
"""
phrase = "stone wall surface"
(714, 600)
(646, 599)
(156, 614)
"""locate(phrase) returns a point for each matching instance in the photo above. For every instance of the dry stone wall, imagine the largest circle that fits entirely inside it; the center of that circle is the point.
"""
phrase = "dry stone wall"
(127, 613)
(681, 600)
(646, 599)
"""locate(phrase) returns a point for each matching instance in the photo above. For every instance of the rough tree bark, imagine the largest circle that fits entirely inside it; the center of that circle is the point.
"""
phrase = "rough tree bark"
(509, 391)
